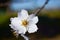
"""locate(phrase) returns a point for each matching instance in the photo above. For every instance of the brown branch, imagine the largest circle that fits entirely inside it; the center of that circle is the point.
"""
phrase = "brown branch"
(40, 9)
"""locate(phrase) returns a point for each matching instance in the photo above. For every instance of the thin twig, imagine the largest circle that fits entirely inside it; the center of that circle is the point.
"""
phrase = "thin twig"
(40, 9)
(25, 37)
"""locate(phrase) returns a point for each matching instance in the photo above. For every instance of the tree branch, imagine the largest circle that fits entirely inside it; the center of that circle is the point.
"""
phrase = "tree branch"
(40, 9)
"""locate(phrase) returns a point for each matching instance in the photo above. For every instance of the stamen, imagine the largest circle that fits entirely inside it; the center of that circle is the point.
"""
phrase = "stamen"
(24, 22)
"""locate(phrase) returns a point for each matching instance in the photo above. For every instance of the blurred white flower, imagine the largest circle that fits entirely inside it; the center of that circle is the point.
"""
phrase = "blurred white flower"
(24, 23)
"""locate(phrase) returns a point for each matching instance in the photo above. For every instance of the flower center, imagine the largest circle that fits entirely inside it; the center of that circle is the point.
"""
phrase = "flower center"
(24, 22)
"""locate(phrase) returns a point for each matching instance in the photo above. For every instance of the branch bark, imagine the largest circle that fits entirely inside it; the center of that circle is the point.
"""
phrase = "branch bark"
(40, 9)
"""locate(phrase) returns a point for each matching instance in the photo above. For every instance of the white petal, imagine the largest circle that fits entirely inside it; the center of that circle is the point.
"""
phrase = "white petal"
(22, 30)
(19, 29)
(34, 20)
(15, 21)
(31, 16)
(13, 27)
(16, 25)
(23, 14)
(11, 19)
(32, 28)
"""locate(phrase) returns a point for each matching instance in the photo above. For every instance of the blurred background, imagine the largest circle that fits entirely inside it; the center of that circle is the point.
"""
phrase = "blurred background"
(49, 18)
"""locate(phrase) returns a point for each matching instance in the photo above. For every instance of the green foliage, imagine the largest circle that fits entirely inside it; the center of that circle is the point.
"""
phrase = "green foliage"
(5, 17)
(51, 13)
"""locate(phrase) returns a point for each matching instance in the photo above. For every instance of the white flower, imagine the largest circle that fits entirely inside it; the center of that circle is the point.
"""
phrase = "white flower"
(24, 23)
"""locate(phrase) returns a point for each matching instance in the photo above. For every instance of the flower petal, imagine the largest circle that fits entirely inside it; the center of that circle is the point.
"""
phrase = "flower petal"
(15, 21)
(34, 20)
(23, 14)
(16, 25)
(32, 28)
(22, 30)
(31, 16)
(13, 27)
(19, 29)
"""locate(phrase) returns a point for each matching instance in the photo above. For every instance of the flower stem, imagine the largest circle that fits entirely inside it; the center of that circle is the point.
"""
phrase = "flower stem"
(25, 37)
